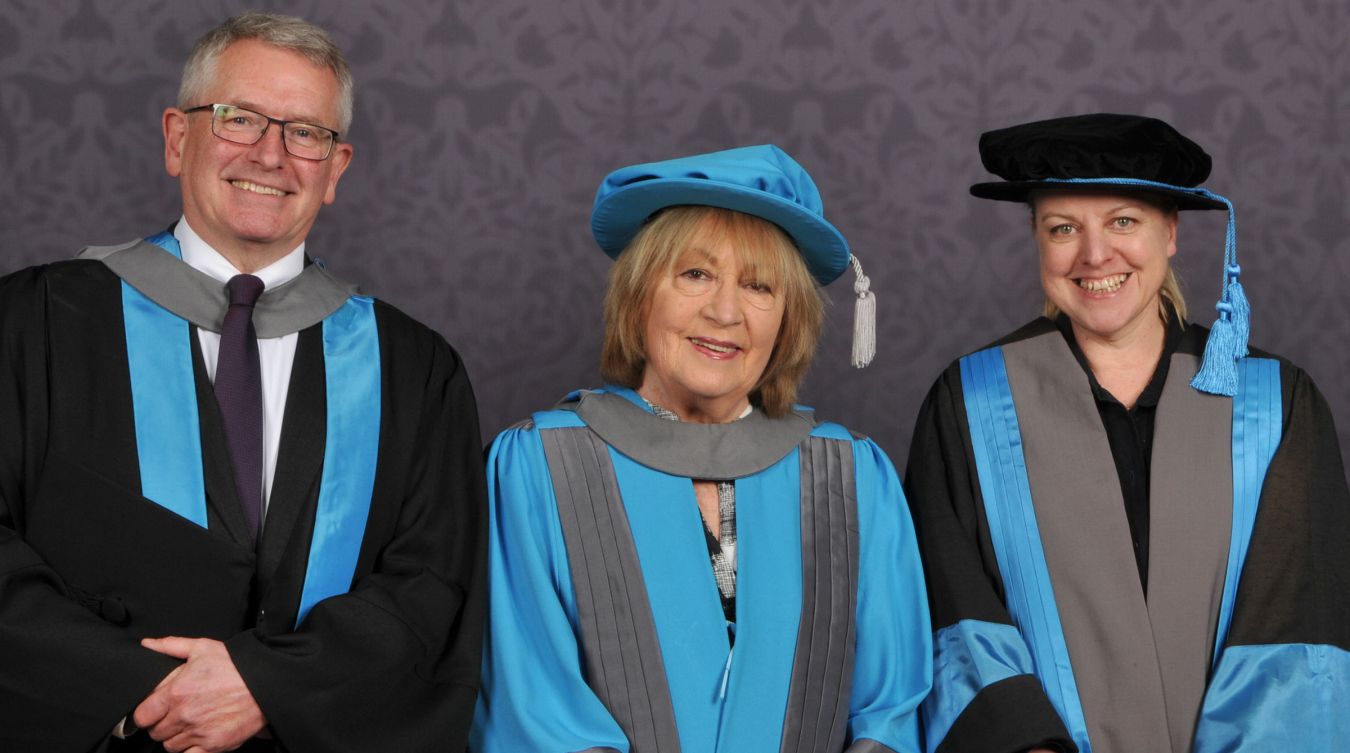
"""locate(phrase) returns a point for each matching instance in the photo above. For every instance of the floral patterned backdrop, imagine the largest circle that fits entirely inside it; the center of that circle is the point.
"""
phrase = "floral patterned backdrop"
(483, 127)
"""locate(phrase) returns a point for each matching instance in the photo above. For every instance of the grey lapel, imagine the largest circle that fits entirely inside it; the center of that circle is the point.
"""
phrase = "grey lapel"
(619, 644)
(199, 298)
(1191, 510)
(822, 667)
(1081, 517)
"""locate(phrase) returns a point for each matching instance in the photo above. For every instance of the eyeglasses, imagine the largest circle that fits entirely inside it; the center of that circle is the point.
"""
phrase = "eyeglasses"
(240, 126)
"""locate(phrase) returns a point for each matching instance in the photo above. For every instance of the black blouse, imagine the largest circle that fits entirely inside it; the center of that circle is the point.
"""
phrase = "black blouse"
(1130, 433)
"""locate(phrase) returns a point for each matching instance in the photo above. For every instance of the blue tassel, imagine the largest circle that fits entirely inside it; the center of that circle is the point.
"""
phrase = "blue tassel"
(1242, 314)
(1218, 371)
(1228, 338)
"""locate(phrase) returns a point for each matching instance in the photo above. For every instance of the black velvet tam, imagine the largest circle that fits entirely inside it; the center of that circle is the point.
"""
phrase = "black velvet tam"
(1031, 156)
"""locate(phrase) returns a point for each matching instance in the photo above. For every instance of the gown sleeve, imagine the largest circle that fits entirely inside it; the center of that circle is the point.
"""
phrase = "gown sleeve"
(985, 698)
(1282, 680)
(893, 664)
(534, 695)
(67, 675)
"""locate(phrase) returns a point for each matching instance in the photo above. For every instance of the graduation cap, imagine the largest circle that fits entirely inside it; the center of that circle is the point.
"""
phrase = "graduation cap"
(763, 181)
(1129, 153)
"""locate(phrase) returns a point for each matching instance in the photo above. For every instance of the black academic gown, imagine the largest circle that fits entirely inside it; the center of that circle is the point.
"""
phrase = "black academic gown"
(88, 566)
(1293, 592)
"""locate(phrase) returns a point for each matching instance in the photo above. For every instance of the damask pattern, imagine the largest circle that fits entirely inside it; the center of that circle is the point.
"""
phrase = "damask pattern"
(483, 127)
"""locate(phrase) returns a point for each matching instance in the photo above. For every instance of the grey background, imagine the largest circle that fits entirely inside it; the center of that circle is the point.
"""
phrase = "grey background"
(483, 127)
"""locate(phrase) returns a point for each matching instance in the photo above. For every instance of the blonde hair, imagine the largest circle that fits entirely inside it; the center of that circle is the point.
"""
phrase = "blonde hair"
(764, 252)
(1170, 300)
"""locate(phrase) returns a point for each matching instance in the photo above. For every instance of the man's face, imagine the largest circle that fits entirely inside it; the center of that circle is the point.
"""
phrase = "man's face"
(255, 203)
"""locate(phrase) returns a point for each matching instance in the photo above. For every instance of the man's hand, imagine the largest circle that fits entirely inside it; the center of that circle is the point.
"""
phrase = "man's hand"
(202, 706)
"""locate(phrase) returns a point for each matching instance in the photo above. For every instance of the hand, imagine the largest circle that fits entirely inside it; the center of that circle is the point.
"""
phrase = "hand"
(202, 706)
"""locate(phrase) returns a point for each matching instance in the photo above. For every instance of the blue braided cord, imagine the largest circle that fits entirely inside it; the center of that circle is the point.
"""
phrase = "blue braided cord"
(1228, 337)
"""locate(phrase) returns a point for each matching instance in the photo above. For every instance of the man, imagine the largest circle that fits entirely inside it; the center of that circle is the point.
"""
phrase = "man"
(229, 519)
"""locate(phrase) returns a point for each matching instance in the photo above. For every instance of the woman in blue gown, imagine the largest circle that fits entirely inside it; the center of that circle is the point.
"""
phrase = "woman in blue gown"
(684, 559)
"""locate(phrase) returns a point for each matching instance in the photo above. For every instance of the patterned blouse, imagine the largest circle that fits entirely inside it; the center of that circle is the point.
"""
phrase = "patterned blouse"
(721, 549)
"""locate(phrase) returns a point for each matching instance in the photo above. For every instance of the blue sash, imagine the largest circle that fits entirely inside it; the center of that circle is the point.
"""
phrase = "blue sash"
(1258, 418)
(168, 432)
(997, 442)
(164, 400)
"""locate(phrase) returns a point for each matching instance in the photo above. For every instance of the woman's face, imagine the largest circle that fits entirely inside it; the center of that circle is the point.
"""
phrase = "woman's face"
(711, 327)
(1104, 258)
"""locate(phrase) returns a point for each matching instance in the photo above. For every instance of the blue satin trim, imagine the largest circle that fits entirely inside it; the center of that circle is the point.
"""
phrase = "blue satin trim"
(351, 354)
(164, 401)
(967, 658)
(1277, 697)
(723, 701)
(997, 444)
(1258, 419)
(769, 579)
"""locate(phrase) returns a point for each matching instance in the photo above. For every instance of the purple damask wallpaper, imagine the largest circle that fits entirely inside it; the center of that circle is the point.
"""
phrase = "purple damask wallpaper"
(483, 127)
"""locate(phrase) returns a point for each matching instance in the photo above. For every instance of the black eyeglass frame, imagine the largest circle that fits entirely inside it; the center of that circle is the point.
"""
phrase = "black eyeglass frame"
(337, 137)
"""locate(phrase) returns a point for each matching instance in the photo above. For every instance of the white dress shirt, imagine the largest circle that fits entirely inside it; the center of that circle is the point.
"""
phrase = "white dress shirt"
(276, 354)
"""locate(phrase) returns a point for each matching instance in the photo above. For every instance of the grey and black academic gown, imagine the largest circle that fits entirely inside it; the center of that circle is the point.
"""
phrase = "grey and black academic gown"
(356, 620)
(1043, 634)
(606, 630)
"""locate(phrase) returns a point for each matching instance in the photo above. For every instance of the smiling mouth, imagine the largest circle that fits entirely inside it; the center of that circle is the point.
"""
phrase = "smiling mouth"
(717, 347)
(1108, 284)
(248, 185)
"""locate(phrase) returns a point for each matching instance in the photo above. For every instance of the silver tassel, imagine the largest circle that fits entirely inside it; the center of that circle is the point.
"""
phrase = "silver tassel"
(864, 317)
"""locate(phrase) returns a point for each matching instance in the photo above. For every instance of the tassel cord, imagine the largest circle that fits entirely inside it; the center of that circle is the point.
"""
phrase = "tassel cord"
(864, 317)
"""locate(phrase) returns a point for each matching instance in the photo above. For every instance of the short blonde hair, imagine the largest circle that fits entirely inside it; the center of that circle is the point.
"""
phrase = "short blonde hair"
(1170, 300)
(763, 250)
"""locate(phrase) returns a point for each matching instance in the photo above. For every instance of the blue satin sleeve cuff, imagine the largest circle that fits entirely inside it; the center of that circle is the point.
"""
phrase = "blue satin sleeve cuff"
(1277, 697)
(968, 657)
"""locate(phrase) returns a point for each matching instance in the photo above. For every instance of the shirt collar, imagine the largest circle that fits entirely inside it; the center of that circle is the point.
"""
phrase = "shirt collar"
(200, 256)
(1173, 330)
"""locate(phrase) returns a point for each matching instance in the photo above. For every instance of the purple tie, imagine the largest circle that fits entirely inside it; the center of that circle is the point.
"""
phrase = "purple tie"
(239, 395)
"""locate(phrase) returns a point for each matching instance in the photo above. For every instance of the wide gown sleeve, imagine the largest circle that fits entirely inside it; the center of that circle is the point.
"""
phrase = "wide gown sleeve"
(66, 674)
(984, 697)
(1283, 676)
(535, 697)
(393, 663)
(893, 664)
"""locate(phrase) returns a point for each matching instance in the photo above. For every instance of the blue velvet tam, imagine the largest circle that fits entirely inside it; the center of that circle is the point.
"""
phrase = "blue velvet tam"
(758, 180)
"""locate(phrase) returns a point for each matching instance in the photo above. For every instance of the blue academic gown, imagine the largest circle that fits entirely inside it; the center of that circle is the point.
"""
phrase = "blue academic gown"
(606, 631)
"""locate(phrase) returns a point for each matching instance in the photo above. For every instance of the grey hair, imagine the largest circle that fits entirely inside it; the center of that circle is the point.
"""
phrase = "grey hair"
(288, 33)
